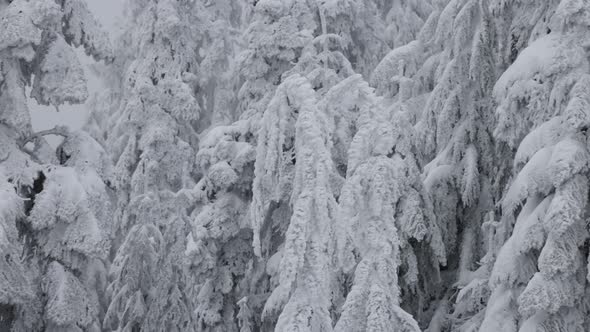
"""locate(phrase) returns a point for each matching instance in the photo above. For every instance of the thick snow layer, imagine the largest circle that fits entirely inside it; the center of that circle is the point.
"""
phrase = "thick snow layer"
(547, 56)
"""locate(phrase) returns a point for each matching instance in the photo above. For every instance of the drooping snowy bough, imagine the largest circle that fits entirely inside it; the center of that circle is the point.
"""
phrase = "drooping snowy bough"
(539, 277)
(55, 220)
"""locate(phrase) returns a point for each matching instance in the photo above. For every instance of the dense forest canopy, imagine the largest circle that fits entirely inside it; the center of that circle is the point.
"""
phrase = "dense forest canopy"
(298, 165)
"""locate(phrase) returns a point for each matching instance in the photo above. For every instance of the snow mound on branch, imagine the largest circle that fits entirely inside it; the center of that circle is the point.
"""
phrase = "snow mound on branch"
(546, 56)
(20, 20)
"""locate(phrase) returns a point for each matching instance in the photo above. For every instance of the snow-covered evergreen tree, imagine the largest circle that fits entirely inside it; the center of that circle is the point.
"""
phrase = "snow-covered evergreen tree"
(220, 244)
(538, 280)
(370, 29)
(303, 295)
(153, 139)
(443, 80)
(218, 77)
(275, 37)
(55, 225)
(388, 227)
(298, 165)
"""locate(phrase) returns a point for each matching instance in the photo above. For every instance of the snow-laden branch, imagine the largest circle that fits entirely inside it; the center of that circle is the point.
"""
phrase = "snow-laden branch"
(3, 159)
(57, 130)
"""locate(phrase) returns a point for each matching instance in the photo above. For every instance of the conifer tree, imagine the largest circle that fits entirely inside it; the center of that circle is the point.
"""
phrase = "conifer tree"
(55, 222)
(388, 228)
(153, 139)
(277, 33)
(302, 295)
(298, 165)
(443, 80)
(220, 245)
(539, 273)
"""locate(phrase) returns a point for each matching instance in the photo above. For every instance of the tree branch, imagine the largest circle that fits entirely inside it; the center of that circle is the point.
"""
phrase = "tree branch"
(5, 158)
(57, 130)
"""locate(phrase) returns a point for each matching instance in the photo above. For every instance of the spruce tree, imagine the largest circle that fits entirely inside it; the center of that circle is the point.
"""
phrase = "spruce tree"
(55, 227)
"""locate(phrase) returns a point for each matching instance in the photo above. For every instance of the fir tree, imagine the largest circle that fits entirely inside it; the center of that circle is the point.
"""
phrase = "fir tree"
(56, 225)
(154, 129)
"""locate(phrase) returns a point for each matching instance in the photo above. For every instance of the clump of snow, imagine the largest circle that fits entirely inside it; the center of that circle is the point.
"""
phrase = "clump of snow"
(549, 55)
